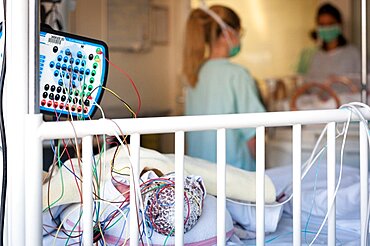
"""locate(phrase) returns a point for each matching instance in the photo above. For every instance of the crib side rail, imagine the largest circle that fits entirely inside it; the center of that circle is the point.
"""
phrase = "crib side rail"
(181, 124)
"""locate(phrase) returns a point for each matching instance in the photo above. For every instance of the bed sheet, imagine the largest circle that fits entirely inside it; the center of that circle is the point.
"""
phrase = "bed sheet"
(284, 235)
(314, 192)
(347, 222)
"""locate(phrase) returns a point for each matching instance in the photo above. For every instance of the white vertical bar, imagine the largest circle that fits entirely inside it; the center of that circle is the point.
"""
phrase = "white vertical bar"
(87, 195)
(16, 98)
(33, 57)
(134, 180)
(33, 182)
(179, 187)
(331, 182)
(297, 173)
(260, 185)
(221, 186)
(364, 176)
(363, 52)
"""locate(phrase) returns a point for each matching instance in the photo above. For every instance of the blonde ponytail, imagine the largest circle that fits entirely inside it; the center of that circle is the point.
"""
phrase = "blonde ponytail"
(201, 31)
(195, 45)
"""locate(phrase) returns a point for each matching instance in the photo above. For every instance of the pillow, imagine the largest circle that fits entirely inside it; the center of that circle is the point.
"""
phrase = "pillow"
(151, 159)
(240, 184)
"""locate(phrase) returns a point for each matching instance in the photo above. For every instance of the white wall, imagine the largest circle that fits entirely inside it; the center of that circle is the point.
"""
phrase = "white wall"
(275, 33)
(156, 73)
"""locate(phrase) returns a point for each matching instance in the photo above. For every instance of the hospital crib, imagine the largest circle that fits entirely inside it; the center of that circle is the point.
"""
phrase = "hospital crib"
(26, 132)
(179, 125)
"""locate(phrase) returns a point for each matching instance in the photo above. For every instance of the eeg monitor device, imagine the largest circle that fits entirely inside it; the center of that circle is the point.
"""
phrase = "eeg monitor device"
(73, 70)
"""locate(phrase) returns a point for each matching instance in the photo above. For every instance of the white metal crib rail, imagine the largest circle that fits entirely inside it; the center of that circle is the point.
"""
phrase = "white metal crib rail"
(40, 131)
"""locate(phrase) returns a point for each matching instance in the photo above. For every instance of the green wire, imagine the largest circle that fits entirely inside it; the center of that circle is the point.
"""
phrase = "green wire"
(73, 228)
(61, 177)
(168, 236)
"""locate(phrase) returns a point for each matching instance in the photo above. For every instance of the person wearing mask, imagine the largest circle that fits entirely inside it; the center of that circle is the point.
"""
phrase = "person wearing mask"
(218, 86)
(335, 57)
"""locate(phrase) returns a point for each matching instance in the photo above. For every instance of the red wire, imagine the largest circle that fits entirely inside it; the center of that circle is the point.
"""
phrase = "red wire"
(132, 82)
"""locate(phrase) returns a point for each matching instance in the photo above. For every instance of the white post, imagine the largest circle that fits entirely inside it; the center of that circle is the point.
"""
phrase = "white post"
(33, 58)
(33, 181)
(16, 106)
(331, 182)
(179, 187)
(87, 195)
(297, 173)
(221, 186)
(33, 142)
(363, 52)
(364, 176)
(134, 179)
(260, 189)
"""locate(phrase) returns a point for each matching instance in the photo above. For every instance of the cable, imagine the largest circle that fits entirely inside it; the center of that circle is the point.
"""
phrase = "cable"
(353, 106)
(3, 137)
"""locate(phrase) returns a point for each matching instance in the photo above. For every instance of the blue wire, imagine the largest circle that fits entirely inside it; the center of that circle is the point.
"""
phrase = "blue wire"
(124, 225)
(59, 161)
(313, 199)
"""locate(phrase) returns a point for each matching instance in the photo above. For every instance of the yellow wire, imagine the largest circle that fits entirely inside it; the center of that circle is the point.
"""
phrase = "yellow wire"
(116, 95)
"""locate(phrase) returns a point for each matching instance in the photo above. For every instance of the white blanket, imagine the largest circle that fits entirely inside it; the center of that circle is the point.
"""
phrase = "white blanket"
(240, 185)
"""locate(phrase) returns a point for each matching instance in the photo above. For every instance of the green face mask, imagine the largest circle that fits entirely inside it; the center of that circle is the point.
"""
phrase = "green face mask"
(234, 50)
(329, 33)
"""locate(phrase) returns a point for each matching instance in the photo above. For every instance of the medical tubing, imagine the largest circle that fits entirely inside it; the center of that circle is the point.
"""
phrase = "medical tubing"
(3, 145)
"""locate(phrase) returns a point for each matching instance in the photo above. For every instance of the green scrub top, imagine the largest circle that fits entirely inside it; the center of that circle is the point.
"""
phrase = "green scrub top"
(223, 88)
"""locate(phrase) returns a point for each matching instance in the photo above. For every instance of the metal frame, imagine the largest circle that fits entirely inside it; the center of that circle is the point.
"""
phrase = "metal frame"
(26, 131)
